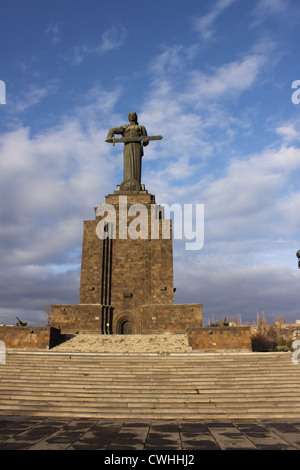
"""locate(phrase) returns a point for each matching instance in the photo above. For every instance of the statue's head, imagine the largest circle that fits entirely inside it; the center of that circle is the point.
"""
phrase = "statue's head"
(132, 117)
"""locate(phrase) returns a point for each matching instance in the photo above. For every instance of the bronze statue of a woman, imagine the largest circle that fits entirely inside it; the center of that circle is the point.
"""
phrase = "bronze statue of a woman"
(134, 138)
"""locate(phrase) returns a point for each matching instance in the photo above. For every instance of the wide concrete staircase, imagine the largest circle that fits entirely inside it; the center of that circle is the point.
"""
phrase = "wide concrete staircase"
(174, 385)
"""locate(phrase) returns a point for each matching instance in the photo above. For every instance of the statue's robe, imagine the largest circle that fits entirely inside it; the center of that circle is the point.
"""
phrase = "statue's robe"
(133, 151)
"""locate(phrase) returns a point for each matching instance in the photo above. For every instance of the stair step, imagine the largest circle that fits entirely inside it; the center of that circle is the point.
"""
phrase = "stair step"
(147, 401)
(157, 414)
(187, 386)
(91, 406)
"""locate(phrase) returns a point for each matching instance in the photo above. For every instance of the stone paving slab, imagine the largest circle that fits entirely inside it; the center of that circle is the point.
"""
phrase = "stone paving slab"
(32, 433)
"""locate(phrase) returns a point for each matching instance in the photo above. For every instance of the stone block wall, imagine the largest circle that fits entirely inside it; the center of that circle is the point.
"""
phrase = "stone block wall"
(91, 266)
(78, 318)
(122, 271)
(28, 338)
(228, 338)
(175, 318)
(145, 319)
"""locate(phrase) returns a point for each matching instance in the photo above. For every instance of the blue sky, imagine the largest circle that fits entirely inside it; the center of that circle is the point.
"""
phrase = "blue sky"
(215, 79)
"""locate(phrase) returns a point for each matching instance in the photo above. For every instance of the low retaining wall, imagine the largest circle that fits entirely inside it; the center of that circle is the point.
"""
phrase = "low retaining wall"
(28, 338)
(206, 339)
(215, 339)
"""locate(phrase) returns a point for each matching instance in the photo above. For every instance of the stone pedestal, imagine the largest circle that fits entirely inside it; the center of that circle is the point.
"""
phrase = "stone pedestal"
(127, 272)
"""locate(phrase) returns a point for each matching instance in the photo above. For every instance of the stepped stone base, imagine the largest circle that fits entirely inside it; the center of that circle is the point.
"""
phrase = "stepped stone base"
(164, 343)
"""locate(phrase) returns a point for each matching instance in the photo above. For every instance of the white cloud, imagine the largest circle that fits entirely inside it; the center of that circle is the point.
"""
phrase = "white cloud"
(224, 82)
(266, 9)
(205, 24)
(171, 60)
(181, 90)
(48, 182)
(53, 30)
(190, 106)
(230, 290)
(251, 198)
(289, 131)
(32, 96)
(111, 39)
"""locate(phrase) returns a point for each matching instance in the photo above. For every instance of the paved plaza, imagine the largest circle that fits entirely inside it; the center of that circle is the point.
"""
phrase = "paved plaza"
(36, 433)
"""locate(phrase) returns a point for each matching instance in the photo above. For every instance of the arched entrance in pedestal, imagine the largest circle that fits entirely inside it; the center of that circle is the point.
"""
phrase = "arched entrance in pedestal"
(127, 323)
(126, 328)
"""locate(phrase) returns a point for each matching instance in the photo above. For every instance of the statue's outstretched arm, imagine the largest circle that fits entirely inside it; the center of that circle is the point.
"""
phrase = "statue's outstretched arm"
(115, 130)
